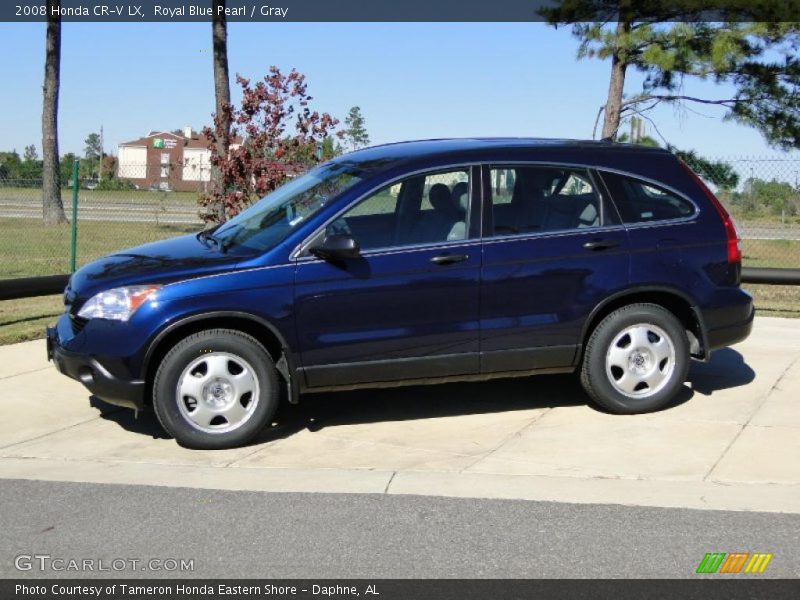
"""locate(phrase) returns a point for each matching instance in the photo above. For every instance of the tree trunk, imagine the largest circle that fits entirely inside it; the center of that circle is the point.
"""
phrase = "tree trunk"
(219, 36)
(616, 85)
(52, 206)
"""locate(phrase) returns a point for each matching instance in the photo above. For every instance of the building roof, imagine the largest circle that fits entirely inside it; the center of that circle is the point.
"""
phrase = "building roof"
(197, 140)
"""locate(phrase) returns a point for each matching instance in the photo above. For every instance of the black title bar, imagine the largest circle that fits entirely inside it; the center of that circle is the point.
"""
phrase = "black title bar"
(701, 588)
(139, 11)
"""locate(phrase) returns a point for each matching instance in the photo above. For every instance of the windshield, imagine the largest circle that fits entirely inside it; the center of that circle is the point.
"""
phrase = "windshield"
(271, 219)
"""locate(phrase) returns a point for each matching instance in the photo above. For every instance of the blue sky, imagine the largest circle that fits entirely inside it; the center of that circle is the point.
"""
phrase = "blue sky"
(411, 81)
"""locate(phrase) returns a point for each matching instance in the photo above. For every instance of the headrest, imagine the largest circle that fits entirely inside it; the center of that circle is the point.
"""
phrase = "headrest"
(460, 194)
(440, 198)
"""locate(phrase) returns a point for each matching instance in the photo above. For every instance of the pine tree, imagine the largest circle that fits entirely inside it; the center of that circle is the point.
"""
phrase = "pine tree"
(52, 205)
(356, 131)
(758, 59)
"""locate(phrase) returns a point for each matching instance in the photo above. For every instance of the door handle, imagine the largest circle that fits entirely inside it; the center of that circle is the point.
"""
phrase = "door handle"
(600, 244)
(449, 259)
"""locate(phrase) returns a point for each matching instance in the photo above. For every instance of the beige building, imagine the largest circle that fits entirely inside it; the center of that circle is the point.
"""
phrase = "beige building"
(167, 161)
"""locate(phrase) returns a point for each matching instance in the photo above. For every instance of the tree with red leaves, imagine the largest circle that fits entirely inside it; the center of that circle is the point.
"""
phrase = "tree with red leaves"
(280, 135)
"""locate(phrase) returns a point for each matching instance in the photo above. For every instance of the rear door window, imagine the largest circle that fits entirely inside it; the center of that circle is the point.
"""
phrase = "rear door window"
(531, 199)
(640, 201)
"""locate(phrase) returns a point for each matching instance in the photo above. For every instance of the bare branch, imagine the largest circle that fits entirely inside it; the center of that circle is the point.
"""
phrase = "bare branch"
(597, 120)
(672, 98)
(655, 128)
(630, 107)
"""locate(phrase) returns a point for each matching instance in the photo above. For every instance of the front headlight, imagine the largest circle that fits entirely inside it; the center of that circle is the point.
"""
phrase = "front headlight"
(117, 304)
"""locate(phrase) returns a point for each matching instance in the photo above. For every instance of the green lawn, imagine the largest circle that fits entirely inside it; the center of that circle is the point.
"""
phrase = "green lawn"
(28, 248)
(11, 193)
(775, 300)
(771, 253)
(25, 319)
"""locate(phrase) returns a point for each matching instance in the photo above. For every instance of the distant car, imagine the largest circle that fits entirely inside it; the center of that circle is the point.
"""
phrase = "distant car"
(420, 262)
(90, 185)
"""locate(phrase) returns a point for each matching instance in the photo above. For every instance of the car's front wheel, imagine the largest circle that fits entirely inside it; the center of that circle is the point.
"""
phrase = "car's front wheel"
(215, 389)
(636, 359)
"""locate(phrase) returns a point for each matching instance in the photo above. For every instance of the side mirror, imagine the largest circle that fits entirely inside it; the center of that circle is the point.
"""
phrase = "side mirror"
(336, 247)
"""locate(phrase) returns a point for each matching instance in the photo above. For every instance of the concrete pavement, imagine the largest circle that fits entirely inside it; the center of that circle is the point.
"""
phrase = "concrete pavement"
(732, 441)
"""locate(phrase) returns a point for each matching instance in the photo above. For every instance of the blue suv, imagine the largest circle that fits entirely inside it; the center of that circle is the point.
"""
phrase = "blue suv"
(418, 262)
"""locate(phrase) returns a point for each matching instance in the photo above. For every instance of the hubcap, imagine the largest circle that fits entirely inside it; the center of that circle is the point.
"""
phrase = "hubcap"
(640, 360)
(217, 392)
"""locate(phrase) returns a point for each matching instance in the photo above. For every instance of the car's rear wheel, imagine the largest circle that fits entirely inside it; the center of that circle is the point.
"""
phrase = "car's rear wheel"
(215, 389)
(636, 359)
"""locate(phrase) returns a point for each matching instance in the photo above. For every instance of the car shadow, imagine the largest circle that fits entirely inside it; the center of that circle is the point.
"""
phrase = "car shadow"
(145, 423)
(726, 369)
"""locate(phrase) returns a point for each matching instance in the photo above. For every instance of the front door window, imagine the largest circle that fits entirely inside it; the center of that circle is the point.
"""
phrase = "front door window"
(423, 209)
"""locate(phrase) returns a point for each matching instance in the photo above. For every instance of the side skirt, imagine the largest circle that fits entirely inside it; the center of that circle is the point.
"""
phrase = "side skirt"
(515, 364)
(438, 380)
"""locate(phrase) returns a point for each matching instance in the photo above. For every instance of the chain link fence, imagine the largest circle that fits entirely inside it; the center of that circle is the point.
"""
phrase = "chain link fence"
(763, 195)
(154, 202)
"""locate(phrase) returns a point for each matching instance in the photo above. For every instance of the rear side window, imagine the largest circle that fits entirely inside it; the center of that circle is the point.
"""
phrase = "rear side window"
(640, 201)
(530, 199)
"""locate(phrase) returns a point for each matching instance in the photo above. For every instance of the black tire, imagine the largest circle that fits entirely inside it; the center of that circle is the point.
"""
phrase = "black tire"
(221, 344)
(597, 379)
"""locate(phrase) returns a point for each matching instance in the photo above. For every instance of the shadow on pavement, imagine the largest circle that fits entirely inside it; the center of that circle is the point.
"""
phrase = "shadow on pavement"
(145, 424)
(726, 369)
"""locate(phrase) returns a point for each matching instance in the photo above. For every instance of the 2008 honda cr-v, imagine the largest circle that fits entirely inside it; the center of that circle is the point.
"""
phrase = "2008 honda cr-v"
(418, 262)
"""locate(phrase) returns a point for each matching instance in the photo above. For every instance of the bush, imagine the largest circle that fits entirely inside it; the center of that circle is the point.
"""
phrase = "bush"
(114, 185)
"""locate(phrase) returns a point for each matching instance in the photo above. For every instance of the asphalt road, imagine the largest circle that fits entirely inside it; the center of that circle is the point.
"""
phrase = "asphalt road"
(272, 535)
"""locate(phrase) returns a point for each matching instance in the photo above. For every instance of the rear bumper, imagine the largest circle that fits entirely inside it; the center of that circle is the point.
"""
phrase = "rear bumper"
(94, 376)
(734, 328)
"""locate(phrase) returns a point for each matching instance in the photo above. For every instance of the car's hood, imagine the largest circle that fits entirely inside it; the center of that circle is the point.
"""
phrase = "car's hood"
(158, 262)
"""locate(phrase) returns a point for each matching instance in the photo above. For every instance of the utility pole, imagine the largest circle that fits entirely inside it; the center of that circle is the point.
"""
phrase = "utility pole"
(100, 168)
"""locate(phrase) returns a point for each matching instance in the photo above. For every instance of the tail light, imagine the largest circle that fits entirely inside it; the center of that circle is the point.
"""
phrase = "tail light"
(734, 250)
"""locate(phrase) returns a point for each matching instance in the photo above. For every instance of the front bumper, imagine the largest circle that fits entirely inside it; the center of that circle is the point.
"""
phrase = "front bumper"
(94, 376)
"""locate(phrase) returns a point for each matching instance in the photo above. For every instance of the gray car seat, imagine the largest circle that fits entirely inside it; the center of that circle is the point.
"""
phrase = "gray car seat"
(444, 222)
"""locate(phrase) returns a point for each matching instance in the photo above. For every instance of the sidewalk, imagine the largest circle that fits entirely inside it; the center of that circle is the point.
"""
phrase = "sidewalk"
(732, 442)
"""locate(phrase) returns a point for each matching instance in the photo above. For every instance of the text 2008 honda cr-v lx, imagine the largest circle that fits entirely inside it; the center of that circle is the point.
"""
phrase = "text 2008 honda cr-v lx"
(419, 262)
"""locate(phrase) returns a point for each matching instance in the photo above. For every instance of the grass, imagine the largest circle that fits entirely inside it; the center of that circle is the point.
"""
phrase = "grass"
(771, 253)
(775, 300)
(28, 248)
(25, 319)
(12, 193)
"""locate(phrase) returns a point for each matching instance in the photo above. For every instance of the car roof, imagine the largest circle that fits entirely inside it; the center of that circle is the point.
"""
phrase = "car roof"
(421, 149)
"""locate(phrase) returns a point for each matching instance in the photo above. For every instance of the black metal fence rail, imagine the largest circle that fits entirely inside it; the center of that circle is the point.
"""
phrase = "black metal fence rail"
(770, 276)
(30, 287)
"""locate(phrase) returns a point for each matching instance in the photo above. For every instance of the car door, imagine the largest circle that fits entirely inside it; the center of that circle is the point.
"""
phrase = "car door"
(553, 251)
(407, 306)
